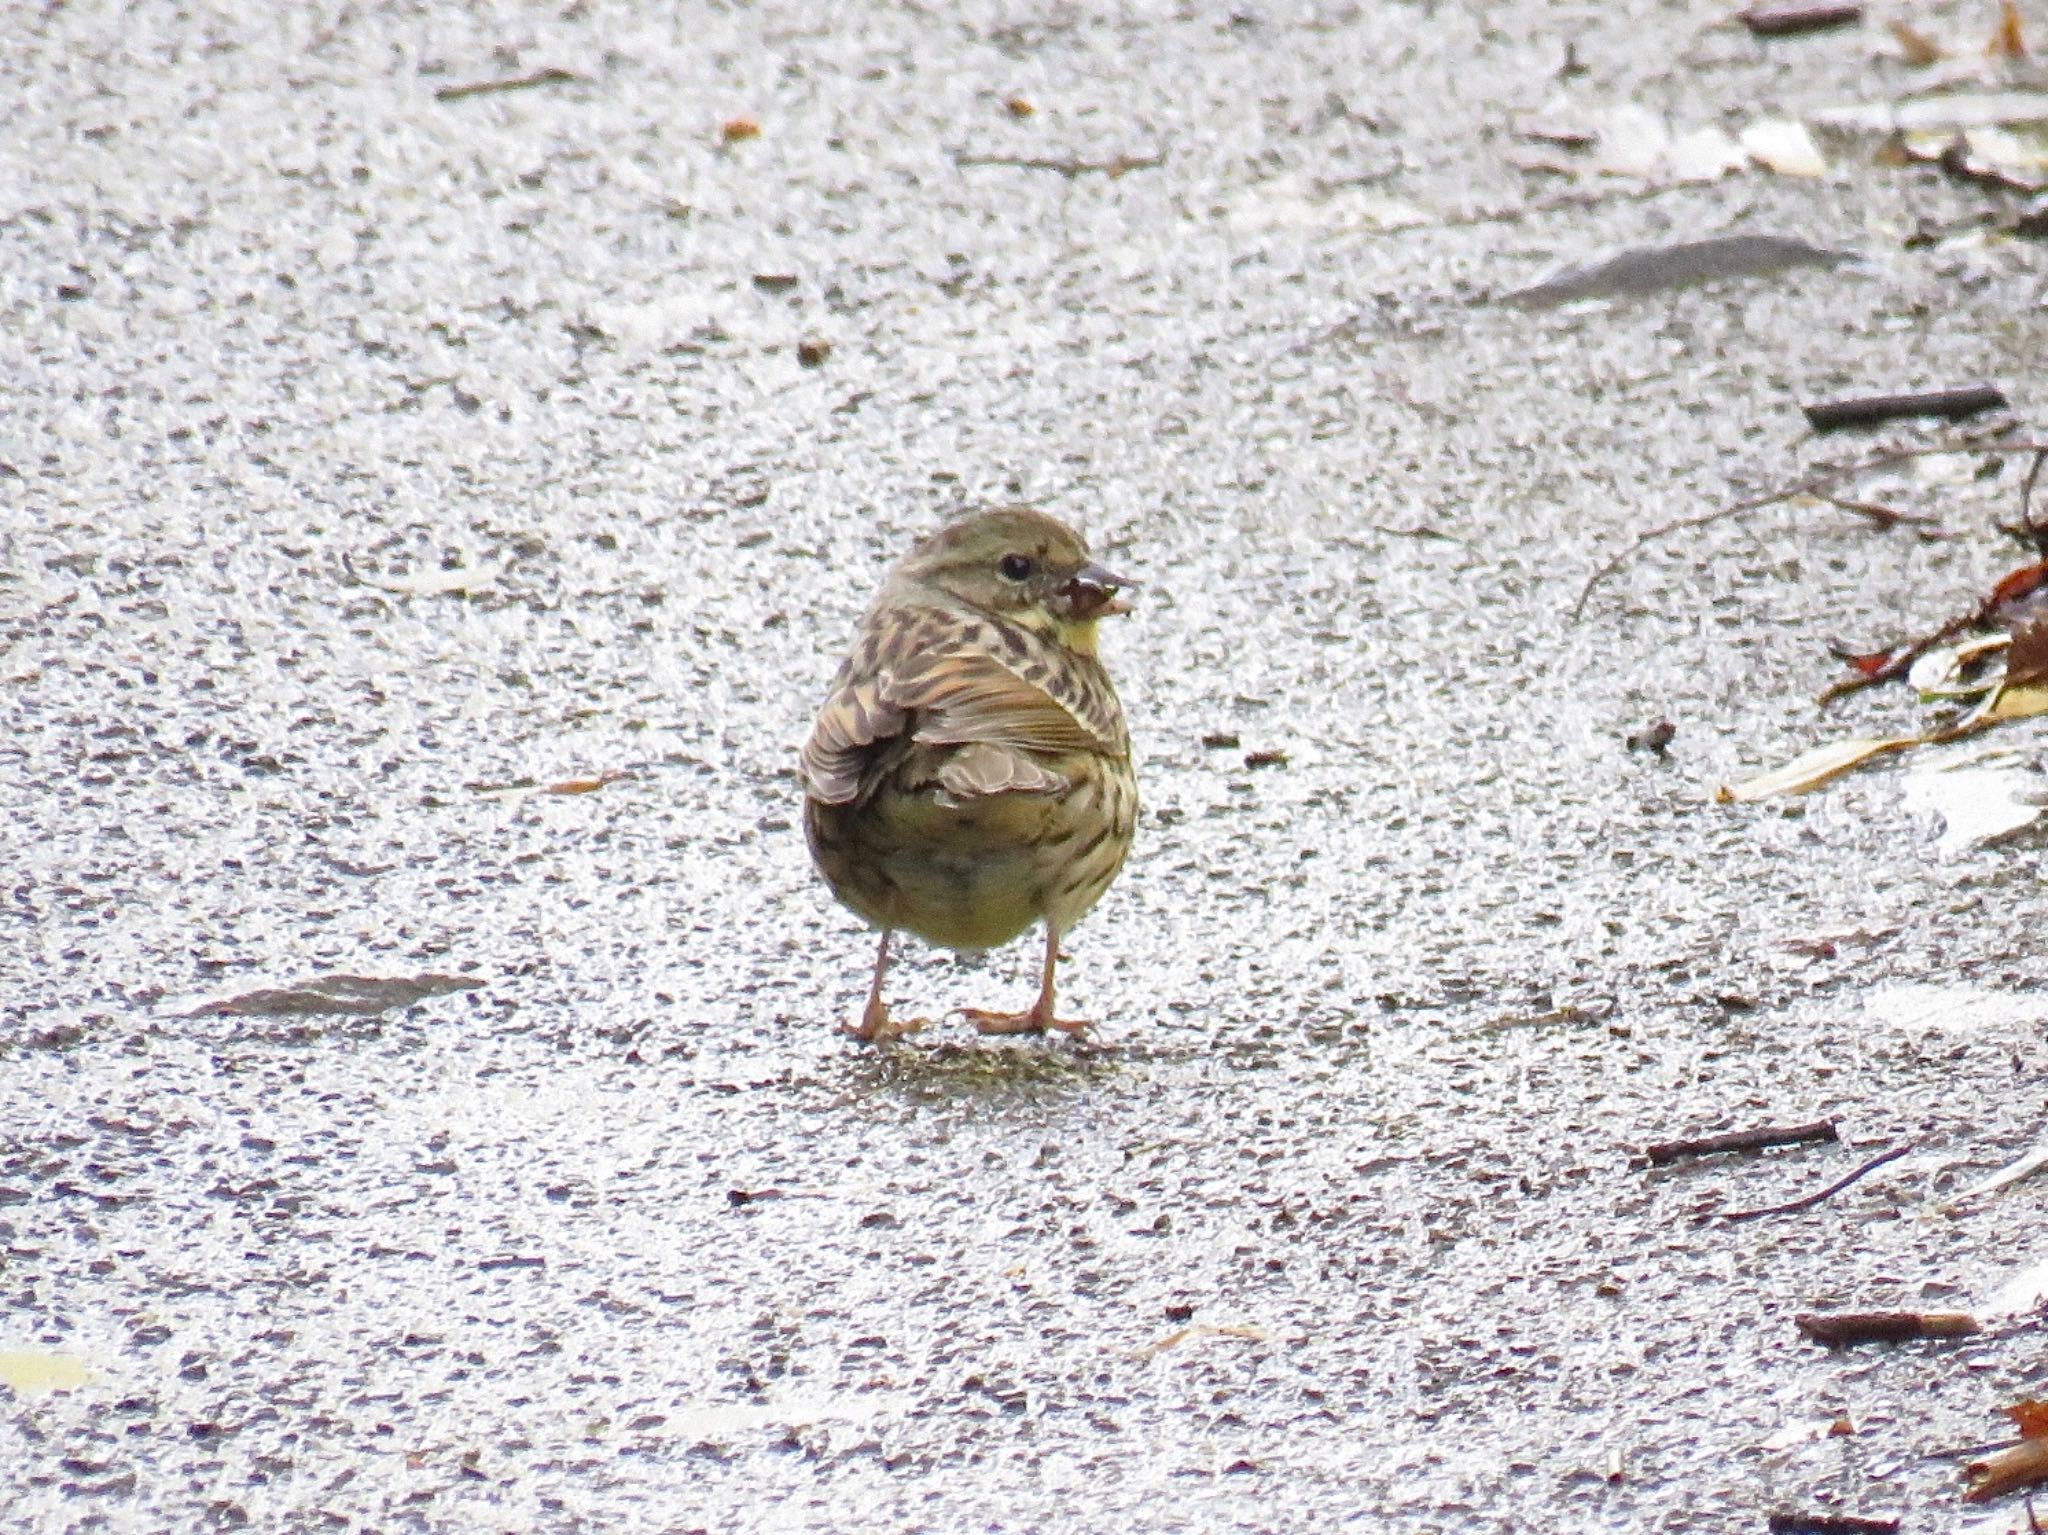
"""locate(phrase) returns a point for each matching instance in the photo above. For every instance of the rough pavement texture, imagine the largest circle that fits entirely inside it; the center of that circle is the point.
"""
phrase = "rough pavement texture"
(369, 452)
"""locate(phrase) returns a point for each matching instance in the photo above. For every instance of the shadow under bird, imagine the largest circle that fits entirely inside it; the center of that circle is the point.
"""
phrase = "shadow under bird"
(970, 773)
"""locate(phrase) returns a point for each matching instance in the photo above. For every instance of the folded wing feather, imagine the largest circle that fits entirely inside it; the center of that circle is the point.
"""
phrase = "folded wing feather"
(965, 699)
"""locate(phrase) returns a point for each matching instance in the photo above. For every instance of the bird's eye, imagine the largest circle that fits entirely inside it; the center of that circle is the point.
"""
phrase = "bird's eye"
(1017, 567)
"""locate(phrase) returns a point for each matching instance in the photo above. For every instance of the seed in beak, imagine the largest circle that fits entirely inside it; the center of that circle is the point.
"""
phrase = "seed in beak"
(1092, 592)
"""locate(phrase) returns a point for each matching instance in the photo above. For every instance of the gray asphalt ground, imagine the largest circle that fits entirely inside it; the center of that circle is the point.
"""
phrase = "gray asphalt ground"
(368, 451)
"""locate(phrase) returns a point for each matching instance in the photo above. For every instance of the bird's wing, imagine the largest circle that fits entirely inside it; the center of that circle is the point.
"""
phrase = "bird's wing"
(970, 695)
(962, 696)
(970, 772)
(853, 727)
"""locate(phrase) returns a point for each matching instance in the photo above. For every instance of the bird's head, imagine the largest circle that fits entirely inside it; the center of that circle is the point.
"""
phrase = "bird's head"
(1023, 566)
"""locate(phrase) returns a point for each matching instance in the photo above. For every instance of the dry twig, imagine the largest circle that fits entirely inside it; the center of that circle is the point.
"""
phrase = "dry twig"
(1815, 484)
(2029, 531)
(1833, 415)
(1792, 20)
(1839, 1327)
(1831, 1524)
(1888, 517)
(550, 76)
(1740, 1140)
(1115, 166)
(1794, 1206)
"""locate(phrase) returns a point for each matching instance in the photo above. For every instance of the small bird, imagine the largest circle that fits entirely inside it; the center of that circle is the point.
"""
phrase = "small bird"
(970, 773)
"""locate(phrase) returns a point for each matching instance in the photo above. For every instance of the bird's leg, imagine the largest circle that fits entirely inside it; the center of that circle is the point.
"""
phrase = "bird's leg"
(876, 1027)
(1040, 1016)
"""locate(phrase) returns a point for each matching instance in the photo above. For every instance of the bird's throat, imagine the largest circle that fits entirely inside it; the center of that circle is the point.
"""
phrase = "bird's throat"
(1078, 637)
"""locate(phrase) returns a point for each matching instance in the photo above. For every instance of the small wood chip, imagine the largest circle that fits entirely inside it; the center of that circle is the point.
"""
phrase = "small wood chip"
(1792, 20)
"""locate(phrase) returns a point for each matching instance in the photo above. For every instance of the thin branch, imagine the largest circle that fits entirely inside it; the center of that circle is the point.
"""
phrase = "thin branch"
(1898, 660)
(1740, 1140)
(1794, 1206)
(549, 76)
(1971, 1451)
(1886, 517)
(1814, 484)
(1839, 1328)
(1418, 531)
(2032, 529)
(1873, 410)
(1115, 166)
(1682, 525)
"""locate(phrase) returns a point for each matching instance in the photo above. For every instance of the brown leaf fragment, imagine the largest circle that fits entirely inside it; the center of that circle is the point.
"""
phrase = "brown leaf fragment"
(1837, 1328)
(2008, 1471)
(1873, 664)
(1915, 47)
(2007, 40)
(2013, 587)
(2032, 1418)
(2026, 658)
(589, 784)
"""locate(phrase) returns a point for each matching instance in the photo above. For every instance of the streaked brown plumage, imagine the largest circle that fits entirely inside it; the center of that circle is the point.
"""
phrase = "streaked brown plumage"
(970, 773)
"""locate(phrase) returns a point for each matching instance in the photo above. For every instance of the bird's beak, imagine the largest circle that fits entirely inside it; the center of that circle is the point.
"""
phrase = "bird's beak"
(1091, 592)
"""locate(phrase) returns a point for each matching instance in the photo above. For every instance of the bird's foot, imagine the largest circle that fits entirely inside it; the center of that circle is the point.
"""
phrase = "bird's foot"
(876, 1027)
(1031, 1021)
